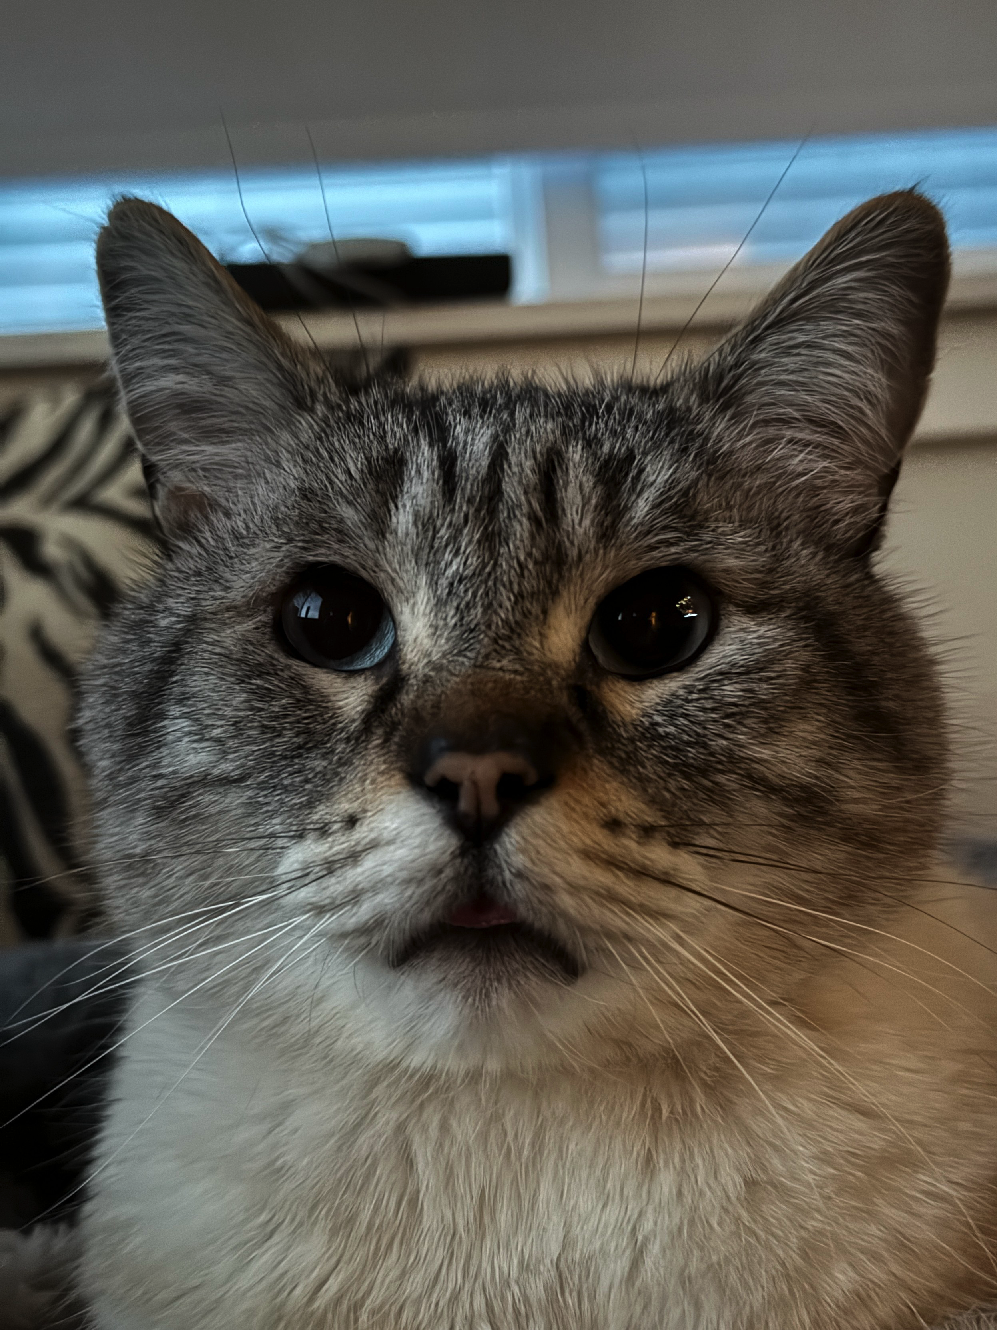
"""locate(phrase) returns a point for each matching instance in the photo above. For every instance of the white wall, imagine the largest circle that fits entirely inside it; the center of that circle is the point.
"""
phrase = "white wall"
(942, 543)
(88, 85)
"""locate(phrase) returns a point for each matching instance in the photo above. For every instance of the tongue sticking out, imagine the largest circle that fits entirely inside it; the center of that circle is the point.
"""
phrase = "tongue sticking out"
(482, 912)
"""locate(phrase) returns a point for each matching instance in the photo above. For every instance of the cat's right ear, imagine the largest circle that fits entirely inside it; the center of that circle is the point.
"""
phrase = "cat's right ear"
(820, 390)
(210, 384)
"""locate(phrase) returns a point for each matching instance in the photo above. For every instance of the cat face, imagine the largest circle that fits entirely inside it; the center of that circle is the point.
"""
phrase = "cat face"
(500, 723)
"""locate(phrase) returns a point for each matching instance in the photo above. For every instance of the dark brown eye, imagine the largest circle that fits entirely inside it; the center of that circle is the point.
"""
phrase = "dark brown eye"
(335, 620)
(656, 622)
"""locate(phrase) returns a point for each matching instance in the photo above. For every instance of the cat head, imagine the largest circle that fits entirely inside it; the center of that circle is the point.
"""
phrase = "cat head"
(499, 722)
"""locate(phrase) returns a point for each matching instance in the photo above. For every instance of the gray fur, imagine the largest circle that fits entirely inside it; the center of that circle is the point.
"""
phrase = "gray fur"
(799, 765)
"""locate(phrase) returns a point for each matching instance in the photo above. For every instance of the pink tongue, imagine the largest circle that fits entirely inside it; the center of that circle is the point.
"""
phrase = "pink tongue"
(481, 913)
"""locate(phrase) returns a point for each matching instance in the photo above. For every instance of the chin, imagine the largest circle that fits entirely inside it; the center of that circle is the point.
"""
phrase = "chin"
(499, 998)
(486, 967)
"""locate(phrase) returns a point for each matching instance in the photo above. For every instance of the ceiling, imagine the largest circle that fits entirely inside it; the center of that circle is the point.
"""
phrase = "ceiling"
(108, 85)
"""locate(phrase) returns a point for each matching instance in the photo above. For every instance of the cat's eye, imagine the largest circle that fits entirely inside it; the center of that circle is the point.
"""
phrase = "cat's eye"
(658, 621)
(335, 620)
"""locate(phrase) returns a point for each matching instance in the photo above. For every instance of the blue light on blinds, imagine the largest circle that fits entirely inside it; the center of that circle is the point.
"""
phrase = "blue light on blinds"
(701, 202)
(48, 227)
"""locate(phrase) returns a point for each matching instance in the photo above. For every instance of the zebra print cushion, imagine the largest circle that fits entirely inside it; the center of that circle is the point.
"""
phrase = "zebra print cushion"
(75, 527)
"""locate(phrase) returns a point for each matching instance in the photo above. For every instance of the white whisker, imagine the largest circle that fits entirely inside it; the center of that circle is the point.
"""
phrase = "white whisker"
(138, 1029)
(202, 1049)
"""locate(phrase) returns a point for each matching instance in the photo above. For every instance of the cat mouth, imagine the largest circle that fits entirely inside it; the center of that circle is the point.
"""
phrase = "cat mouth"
(484, 941)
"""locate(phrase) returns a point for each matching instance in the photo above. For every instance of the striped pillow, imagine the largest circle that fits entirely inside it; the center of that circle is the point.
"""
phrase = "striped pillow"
(75, 528)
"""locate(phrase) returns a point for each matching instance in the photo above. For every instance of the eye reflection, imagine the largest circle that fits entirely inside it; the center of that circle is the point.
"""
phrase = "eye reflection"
(309, 605)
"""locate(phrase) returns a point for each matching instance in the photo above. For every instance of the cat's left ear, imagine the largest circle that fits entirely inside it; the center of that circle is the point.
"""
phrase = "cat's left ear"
(820, 390)
(212, 387)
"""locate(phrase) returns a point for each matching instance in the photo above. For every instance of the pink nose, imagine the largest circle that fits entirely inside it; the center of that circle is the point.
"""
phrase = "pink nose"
(477, 777)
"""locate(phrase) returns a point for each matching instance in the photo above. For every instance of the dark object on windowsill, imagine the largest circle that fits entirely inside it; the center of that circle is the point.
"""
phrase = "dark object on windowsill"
(413, 281)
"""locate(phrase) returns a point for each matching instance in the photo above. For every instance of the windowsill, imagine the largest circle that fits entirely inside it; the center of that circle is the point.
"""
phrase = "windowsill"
(493, 321)
(962, 403)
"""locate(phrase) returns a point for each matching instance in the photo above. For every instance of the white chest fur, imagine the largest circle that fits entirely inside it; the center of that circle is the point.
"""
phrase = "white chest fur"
(260, 1193)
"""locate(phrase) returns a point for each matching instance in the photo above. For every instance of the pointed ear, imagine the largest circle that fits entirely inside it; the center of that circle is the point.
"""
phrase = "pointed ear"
(210, 384)
(825, 382)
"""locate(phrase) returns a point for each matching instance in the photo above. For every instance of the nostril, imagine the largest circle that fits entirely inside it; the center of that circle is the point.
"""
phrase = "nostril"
(513, 788)
(447, 790)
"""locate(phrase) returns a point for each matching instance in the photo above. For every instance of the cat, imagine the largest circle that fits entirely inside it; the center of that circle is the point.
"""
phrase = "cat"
(524, 805)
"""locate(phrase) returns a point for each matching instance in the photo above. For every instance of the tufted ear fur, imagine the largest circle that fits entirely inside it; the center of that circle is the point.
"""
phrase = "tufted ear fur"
(210, 384)
(825, 382)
